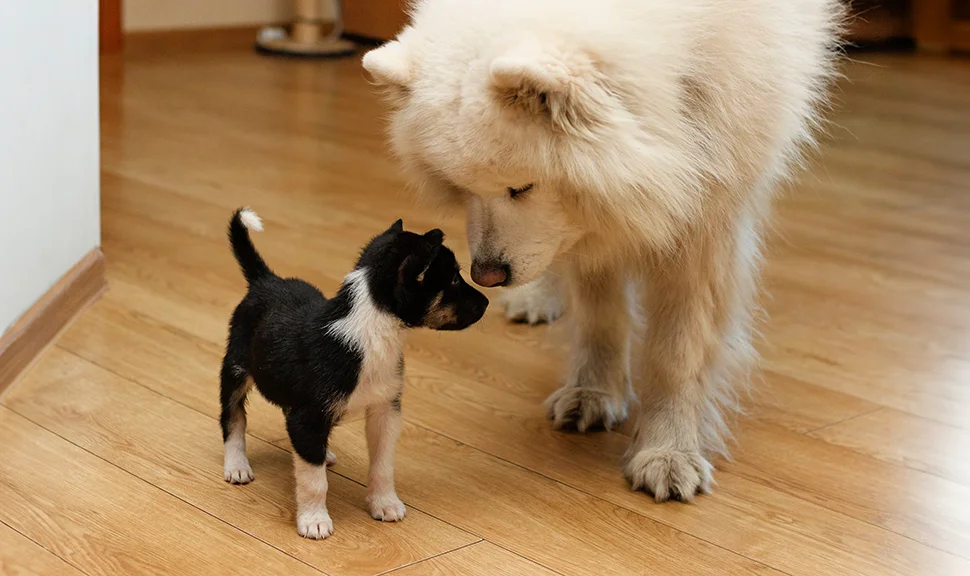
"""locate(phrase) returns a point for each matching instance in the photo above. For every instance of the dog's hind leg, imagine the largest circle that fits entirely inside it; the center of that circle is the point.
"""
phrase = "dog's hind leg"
(234, 388)
(597, 388)
(383, 431)
(309, 432)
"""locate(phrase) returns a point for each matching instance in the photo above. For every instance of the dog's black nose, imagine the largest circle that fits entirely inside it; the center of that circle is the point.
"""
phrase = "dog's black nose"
(491, 273)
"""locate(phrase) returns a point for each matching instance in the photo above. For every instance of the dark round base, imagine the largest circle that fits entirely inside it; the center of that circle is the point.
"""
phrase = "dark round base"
(291, 48)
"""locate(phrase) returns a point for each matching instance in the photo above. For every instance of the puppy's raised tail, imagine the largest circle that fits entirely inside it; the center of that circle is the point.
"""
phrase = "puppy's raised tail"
(252, 264)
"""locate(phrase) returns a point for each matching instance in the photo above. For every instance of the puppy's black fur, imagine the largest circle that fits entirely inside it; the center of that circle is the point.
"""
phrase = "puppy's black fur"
(281, 333)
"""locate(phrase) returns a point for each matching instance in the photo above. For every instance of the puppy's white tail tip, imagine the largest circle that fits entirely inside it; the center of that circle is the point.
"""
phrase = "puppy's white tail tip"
(250, 220)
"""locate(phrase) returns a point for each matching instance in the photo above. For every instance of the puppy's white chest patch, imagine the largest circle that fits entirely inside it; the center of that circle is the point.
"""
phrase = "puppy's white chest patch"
(379, 383)
(378, 336)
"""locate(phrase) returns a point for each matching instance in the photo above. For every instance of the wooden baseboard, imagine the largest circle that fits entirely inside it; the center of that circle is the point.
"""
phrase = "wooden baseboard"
(109, 26)
(960, 35)
(37, 328)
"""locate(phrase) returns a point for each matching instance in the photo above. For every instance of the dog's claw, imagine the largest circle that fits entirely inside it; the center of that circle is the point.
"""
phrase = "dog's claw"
(669, 475)
(583, 409)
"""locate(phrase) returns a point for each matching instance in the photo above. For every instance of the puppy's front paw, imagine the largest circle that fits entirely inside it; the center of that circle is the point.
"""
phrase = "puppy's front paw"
(585, 408)
(534, 303)
(386, 507)
(331, 458)
(314, 524)
(669, 474)
(237, 471)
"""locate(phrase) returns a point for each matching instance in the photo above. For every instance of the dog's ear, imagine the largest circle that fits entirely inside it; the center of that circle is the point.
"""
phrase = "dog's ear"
(397, 226)
(389, 64)
(565, 88)
(389, 67)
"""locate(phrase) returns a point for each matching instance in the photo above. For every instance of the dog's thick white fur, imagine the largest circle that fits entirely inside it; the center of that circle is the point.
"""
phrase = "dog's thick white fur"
(654, 133)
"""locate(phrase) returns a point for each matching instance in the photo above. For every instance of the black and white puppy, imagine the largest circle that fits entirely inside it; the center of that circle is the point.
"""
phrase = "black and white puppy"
(318, 358)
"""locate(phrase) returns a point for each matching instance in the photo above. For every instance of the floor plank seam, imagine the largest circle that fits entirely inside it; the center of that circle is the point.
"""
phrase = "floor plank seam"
(139, 478)
(842, 421)
(438, 555)
(890, 462)
(139, 384)
(55, 554)
(853, 518)
(526, 558)
(213, 418)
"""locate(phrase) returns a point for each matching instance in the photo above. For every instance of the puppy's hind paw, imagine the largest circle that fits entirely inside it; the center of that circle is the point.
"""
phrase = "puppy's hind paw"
(386, 507)
(238, 472)
(315, 525)
(669, 474)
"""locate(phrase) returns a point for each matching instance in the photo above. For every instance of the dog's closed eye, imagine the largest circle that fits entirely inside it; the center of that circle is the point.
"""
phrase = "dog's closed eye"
(513, 192)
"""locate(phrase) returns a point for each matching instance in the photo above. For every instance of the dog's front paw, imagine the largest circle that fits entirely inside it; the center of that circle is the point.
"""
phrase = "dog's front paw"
(585, 408)
(533, 303)
(331, 458)
(386, 507)
(314, 524)
(669, 474)
(237, 471)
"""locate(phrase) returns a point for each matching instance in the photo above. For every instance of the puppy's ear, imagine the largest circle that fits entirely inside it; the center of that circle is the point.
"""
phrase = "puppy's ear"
(417, 263)
(434, 238)
(547, 83)
(397, 226)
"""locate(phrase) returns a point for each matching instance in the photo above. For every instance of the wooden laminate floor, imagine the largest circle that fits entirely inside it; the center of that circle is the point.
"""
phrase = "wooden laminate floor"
(854, 458)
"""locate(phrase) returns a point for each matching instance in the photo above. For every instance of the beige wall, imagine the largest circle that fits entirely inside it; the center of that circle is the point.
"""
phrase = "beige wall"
(176, 14)
(49, 153)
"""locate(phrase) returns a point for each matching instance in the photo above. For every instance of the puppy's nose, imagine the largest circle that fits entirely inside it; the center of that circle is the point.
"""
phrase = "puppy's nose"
(491, 273)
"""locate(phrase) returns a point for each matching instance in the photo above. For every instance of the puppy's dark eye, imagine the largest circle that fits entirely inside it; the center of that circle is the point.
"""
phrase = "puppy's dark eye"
(513, 192)
(456, 280)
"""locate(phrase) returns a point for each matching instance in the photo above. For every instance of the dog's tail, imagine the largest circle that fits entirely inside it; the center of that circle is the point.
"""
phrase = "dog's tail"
(252, 264)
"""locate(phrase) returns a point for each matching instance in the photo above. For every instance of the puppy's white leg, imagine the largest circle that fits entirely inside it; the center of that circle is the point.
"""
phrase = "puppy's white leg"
(236, 468)
(598, 383)
(541, 300)
(697, 350)
(312, 518)
(383, 431)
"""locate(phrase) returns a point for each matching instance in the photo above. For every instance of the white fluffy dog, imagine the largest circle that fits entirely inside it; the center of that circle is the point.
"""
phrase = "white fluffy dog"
(603, 145)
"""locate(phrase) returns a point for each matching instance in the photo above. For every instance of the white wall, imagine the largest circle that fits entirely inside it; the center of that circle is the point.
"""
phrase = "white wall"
(49, 171)
(142, 15)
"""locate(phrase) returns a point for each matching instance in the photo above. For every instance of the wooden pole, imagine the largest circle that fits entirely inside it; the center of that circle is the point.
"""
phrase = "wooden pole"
(306, 27)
